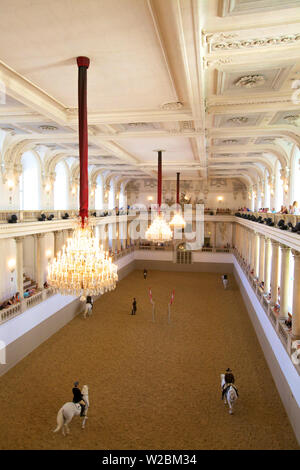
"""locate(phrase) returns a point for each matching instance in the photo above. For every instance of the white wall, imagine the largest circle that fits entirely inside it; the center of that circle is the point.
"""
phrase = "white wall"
(29, 256)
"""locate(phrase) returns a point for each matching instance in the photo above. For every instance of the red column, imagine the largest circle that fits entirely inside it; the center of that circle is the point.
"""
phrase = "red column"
(177, 188)
(159, 177)
(83, 64)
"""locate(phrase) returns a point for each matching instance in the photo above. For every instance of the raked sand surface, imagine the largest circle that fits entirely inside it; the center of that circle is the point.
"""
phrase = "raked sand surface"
(152, 385)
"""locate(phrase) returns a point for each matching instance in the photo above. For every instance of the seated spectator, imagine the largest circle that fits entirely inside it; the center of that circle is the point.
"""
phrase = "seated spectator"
(294, 208)
(288, 323)
(26, 294)
(283, 210)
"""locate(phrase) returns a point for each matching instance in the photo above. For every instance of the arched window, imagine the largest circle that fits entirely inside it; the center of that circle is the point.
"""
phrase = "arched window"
(111, 196)
(30, 182)
(99, 193)
(267, 198)
(122, 198)
(61, 187)
(278, 187)
(295, 177)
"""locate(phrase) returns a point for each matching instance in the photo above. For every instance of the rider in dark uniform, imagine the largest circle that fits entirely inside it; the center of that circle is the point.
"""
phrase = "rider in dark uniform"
(78, 398)
(229, 380)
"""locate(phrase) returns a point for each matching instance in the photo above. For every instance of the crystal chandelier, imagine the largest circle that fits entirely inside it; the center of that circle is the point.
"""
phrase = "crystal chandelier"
(159, 230)
(83, 267)
(177, 221)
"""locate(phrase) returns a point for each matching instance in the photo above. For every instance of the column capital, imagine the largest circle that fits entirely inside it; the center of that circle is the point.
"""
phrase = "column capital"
(39, 235)
(275, 242)
(19, 239)
(284, 247)
(296, 254)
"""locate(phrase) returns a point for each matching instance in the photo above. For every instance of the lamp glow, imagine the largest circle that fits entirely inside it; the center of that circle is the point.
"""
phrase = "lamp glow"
(159, 230)
(177, 221)
(10, 184)
(82, 268)
(11, 265)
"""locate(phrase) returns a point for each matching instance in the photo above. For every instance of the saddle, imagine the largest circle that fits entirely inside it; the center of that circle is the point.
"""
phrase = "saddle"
(226, 386)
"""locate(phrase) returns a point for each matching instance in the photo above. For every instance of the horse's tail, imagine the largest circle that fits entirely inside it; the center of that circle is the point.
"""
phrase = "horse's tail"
(60, 420)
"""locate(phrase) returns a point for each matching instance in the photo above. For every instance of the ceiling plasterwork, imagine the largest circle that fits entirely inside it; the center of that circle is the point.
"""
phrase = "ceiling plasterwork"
(215, 83)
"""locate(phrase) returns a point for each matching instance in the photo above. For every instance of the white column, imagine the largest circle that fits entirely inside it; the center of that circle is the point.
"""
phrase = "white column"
(274, 272)
(233, 242)
(40, 259)
(19, 265)
(256, 255)
(261, 258)
(214, 234)
(296, 295)
(284, 280)
(253, 251)
(57, 244)
(268, 252)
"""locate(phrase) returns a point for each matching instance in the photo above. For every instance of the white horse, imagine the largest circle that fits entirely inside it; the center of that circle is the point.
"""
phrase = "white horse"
(70, 409)
(225, 282)
(87, 310)
(230, 395)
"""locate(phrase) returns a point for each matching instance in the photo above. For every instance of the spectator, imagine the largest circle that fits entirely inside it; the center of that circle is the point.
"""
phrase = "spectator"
(294, 208)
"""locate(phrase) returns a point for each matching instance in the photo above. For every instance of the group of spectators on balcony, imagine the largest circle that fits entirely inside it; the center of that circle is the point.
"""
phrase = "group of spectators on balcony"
(292, 209)
(12, 301)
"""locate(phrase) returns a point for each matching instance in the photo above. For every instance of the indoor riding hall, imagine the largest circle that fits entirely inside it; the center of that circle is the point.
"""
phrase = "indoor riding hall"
(152, 385)
(149, 225)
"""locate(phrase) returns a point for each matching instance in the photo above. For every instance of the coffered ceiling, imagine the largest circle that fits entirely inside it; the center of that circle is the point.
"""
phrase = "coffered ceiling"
(211, 82)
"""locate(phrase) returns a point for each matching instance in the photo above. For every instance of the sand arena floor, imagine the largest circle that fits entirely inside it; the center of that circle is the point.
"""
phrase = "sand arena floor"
(152, 385)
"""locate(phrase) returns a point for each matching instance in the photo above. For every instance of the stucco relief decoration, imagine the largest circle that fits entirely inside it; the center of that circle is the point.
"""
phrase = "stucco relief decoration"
(9, 130)
(270, 41)
(172, 106)
(230, 141)
(218, 183)
(250, 81)
(47, 128)
(149, 184)
(238, 120)
(292, 119)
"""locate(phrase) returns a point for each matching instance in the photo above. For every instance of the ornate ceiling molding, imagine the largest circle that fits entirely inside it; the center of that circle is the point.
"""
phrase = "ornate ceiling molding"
(216, 42)
(250, 81)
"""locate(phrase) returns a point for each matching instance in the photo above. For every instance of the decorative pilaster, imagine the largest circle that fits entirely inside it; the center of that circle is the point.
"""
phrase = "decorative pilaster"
(268, 252)
(40, 259)
(261, 275)
(284, 280)
(57, 235)
(256, 255)
(19, 265)
(296, 295)
(274, 272)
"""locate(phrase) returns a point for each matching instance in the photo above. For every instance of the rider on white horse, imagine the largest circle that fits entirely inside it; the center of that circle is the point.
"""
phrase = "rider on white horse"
(78, 398)
(229, 381)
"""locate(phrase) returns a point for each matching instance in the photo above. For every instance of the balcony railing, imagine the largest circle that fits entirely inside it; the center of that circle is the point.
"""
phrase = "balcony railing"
(284, 333)
(16, 309)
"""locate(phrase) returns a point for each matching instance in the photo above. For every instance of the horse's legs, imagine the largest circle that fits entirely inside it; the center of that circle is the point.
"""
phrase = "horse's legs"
(66, 424)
